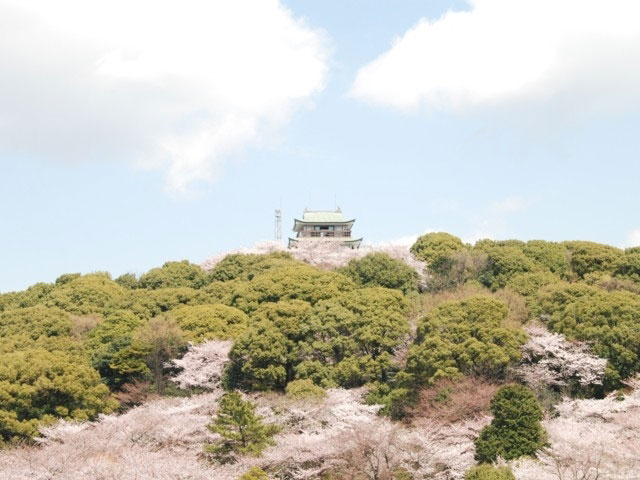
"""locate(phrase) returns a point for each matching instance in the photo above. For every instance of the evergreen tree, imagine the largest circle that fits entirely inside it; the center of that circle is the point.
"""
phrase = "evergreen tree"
(515, 429)
(241, 429)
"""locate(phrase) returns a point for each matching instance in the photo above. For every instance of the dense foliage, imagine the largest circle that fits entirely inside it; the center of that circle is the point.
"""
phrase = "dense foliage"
(462, 338)
(381, 270)
(38, 385)
(347, 340)
(561, 318)
(288, 321)
(608, 320)
(431, 247)
(515, 429)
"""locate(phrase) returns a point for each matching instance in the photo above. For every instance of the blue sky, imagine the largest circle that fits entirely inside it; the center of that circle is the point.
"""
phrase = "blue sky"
(403, 130)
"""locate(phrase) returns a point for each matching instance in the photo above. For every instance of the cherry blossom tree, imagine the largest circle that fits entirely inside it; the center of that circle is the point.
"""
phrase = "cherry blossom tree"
(590, 440)
(549, 359)
(328, 255)
(202, 365)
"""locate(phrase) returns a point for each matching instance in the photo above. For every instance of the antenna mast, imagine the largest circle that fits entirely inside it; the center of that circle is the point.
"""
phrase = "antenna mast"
(277, 226)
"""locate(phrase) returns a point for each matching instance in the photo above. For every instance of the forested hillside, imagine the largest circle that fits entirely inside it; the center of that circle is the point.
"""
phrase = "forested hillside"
(499, 360)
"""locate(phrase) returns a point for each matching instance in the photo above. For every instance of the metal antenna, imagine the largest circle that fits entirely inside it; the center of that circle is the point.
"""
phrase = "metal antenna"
(277, 225)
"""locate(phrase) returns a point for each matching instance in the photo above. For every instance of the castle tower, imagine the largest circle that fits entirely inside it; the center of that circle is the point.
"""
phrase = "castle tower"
(328, 226)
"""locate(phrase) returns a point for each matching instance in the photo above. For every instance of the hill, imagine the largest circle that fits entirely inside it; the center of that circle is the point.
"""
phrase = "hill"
(436, 361)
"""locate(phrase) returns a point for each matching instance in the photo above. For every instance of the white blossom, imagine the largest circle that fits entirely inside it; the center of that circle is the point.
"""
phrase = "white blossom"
(549, 359)
(589, 440)
(202, 365)
(327, 254)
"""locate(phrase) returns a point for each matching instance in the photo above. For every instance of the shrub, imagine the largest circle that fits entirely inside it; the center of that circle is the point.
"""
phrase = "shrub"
(304, 388)
(515, 429)
(452, 401)
(489, 472)
(255, 473)
(380, 270)
(529, 284)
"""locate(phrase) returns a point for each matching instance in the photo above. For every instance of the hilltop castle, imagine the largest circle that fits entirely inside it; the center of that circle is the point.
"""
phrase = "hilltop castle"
(324, 225)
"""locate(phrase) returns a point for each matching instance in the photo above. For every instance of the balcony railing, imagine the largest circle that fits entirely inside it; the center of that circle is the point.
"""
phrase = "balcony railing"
(325, 233)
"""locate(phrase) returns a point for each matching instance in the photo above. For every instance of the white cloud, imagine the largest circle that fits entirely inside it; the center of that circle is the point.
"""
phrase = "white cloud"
(633, 239)
(513, 51)
(177, 84)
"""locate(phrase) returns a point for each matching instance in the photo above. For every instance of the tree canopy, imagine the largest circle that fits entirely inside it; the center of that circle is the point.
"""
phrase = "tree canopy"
(515, 429)
(380, 270)
(430, 247)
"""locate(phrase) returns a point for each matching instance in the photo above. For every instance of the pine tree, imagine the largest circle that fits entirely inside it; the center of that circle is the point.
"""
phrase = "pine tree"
(241, 429)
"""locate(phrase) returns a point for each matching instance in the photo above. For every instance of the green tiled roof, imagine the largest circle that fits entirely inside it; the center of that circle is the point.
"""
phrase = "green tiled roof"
(323, 217)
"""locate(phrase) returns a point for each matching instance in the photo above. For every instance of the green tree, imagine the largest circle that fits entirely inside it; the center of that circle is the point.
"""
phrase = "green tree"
(206, 322)
(590, 257)
(94, 293)
(293, 282)
(449, 272)
(66, 278)
(32, 296)
(111, 351)
(161, 339)
(528, 284)
(628, 267)
(551, 256)
(38, 321)
(515, 429)
(489, 472)
(464, 337)
(174, 274)
(39, 386)
(127, 280)
(246, 266)
(503, 262)
(380, 270)
(269, 352)
(609, 320)
(241, 429)
(432, 246)
(346, 340)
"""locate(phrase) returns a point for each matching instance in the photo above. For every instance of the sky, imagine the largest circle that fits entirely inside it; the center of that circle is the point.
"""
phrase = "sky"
(137, 132)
